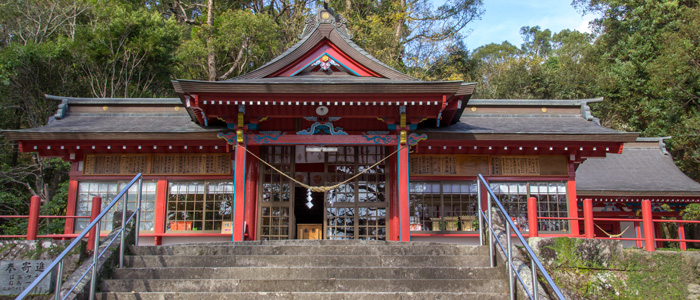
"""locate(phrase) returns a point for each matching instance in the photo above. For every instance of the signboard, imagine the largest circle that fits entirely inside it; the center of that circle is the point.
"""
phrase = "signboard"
(226, 227)
(472, 165)
(157, 164)
(17, 275)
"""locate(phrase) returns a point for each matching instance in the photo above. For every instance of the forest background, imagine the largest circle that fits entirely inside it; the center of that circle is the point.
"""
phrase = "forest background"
(643, 56)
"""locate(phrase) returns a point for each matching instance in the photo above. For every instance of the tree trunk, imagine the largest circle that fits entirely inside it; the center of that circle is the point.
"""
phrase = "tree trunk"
(211, 57)
(399, 24)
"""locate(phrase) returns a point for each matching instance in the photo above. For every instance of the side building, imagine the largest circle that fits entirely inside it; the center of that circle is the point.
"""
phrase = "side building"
(619, 183)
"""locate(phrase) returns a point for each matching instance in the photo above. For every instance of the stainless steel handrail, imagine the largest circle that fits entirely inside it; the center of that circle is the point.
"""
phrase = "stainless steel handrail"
(510, 228)
(58, 262)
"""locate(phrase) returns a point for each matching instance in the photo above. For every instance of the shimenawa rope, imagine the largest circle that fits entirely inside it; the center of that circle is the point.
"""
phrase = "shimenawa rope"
(321, 188)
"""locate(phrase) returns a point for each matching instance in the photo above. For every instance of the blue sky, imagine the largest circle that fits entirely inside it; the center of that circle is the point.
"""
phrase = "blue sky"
(502, 20)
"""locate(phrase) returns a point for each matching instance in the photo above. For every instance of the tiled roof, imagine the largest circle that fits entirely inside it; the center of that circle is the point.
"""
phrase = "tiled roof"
(523, 124)
(641, 168)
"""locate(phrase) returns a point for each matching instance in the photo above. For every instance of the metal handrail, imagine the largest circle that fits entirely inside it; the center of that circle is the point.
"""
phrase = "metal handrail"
(58, 262)
(510, 228)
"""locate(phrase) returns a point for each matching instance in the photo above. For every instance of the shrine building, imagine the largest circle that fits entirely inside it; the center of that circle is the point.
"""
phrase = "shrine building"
(325, 142)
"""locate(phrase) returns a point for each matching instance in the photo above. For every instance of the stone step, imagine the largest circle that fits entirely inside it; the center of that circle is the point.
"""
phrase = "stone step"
(158, 261)
(310, 273)
(304, 296)
(324, 285)
(300, 249)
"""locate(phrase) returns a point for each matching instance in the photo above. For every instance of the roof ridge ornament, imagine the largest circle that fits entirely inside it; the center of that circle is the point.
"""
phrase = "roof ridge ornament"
(326, 15)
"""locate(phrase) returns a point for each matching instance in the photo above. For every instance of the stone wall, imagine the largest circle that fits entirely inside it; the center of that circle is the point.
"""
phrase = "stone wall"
(603, 269)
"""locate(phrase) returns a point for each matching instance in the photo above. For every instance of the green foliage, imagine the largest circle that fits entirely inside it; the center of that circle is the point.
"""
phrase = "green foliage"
(127, 51)
(242, 41)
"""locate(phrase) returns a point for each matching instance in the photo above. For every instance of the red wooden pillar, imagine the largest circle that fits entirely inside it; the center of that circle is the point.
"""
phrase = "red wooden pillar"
(71, 204)
(393, 201)
(251, 213)
(681, 236)
(161, 206)
(33, 224)
(239, 192)
(648, 224)
(94, 212)
(404, 208)
(573, 205)
(638, 234)
(588, 226)
(532, 216)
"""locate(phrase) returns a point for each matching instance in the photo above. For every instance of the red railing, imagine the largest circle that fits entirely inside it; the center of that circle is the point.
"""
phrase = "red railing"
(647, 221)
(33, 224)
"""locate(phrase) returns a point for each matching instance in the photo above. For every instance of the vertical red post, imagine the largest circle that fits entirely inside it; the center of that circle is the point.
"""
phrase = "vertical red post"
(648, 224)
(573, 205)
(681, 236)
(638, 234)
(239, 194)
(588, 227)
(253, 167)
(94, 212)
(33, 226)
(532, 216)
(71, 204)
(161, 210)
(404, 210)
(393, 200)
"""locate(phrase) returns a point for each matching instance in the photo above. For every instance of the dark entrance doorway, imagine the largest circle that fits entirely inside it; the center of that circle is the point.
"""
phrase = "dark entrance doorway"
(302, 212)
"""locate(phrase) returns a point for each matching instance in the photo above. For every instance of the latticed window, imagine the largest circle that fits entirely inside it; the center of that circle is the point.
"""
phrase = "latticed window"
(551, 202)
(356, 209)
(443, 206)
(107, 190)
(199, 205)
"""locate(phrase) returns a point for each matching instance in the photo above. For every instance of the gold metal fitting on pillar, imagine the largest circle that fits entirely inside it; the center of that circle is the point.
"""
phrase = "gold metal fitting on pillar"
(402, 137)
(239, 136)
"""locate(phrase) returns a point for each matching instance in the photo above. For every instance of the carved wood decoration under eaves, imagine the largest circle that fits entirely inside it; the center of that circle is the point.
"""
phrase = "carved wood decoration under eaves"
(472, 165)
(158, 164)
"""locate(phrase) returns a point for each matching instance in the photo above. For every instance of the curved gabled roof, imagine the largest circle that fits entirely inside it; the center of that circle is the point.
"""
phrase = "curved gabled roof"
(328, 30)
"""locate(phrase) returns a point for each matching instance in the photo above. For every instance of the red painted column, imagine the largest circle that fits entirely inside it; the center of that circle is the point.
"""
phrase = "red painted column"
(638, 234)
(94, 212)
(404, 226)
(588, 226)
(33, 225)
(71, 204)
(532, 216)
(251, 213)
(239, 193)
(573, 205)
(393, 201)
(161, 206)
(648, 224)
(681, 236)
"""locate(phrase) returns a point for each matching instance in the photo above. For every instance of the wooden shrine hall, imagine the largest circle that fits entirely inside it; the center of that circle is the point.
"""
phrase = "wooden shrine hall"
(323, 142)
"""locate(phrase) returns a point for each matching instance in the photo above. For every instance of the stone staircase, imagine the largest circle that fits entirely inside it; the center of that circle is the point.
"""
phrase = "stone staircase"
(296, 269)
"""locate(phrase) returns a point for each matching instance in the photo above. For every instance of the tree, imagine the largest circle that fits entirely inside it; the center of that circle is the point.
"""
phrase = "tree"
(242, 42)
(127, 51)
(649, 52)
